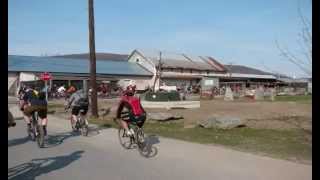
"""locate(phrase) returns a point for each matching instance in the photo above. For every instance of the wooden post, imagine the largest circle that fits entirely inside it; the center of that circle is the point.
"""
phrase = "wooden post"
(93, 83)
(46, 87)
(85, 85)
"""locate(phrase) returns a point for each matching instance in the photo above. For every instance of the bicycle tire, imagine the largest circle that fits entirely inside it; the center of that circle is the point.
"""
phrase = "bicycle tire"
(33, 127)
(30, 133)
(40, 136)
(140, 139)
(84, 128)
(123, 135)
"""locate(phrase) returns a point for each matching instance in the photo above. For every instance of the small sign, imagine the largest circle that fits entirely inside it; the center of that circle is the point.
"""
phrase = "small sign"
(45, 76)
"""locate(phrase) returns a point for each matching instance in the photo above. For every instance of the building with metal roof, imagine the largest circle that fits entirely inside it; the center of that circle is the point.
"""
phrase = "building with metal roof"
(178, 69)
(73, 66)
(184, 69)
(99, 56)
(28, 68)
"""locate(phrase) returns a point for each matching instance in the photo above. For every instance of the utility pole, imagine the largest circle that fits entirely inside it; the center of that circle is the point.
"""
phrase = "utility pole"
(93, 83)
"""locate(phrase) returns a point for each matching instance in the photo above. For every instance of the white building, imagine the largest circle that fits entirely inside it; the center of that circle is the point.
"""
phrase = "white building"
(177, 69)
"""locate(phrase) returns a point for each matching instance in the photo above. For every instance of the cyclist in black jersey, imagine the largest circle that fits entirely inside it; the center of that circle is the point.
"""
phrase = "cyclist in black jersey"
(36, 102)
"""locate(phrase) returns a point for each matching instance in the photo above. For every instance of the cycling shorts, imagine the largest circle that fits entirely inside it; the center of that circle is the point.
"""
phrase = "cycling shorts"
(42, 111)
(76, 109)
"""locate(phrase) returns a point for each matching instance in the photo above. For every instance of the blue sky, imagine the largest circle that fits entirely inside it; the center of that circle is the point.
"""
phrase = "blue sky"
(232, 31)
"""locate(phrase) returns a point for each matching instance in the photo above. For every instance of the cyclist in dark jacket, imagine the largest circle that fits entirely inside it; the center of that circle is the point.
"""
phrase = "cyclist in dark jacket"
(36, 103)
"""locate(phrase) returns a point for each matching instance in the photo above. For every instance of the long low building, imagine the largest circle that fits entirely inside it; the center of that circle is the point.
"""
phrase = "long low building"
(140, 66)
(70, 70)
(184, 70)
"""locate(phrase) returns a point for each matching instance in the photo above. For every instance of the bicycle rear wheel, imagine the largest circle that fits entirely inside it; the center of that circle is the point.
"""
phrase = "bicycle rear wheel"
(84, 127)
(140, 139)
(33, 127)
(40, 136)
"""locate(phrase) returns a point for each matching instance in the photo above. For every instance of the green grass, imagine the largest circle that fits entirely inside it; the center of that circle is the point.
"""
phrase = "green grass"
(52, 106)
(300, 98)
(284, 144)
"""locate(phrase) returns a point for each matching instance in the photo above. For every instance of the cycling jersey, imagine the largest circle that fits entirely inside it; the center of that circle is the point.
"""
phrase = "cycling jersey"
(77, 98)
(29, 95)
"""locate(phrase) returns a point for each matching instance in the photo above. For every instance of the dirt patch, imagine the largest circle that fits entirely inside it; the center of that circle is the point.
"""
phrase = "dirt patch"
(264, 114)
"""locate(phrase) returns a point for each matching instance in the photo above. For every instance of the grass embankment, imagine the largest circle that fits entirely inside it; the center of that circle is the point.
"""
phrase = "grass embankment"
(284, 144)
(300, 98)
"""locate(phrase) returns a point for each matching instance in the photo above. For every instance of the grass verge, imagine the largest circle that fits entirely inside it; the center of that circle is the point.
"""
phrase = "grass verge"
(53, 106)
(283, 144)
(300, 98)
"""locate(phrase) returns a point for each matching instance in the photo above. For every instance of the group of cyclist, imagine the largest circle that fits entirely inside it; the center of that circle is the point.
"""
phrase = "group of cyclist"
(31, 100)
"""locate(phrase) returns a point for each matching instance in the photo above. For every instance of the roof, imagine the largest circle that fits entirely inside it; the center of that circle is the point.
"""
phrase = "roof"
(291, 80)
(72, 65)
(99, 56)
(245, 70)
(178, 60)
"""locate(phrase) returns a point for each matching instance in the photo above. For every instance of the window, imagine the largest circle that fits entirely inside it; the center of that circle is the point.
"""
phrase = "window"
(137, 60)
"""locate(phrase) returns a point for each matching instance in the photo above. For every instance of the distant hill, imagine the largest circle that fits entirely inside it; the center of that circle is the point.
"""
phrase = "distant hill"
(99, 56)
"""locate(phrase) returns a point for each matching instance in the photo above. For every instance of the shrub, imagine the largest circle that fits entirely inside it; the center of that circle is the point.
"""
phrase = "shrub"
(162, 96)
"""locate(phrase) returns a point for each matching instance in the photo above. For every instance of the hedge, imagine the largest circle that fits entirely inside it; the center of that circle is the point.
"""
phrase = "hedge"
(162, 96)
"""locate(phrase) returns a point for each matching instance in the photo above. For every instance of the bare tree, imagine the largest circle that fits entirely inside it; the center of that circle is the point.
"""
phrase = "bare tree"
(304, 61)
(158, 73)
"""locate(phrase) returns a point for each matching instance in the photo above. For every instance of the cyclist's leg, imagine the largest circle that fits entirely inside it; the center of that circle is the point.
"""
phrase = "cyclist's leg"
(124, 124)
(21, 105)
(84, 113)
(27, 113)
(42, 112)
(74, 113)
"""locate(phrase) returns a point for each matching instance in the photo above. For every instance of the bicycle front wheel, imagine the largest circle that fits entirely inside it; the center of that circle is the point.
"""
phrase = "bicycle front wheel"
(125, 140)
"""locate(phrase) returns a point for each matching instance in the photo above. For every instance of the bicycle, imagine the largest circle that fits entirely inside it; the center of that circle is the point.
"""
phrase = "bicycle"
(36, 131)
(137, 138)
(81, 124)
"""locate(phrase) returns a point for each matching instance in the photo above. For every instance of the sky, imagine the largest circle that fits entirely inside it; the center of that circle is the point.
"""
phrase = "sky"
(232, 31)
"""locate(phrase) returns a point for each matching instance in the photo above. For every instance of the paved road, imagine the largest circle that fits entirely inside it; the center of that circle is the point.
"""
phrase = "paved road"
(100, 156)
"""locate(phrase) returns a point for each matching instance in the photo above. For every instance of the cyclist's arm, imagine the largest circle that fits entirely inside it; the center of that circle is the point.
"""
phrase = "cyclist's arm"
(119, 110)
(69, 101)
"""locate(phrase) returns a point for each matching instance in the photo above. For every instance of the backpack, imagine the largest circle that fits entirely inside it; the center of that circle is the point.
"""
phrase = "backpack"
(83, 101)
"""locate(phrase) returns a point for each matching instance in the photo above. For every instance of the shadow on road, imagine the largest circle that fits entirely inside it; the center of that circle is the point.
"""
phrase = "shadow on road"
(37, 167)
(149, 149)
(57, 139)
(18, 141)
(93, 131)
